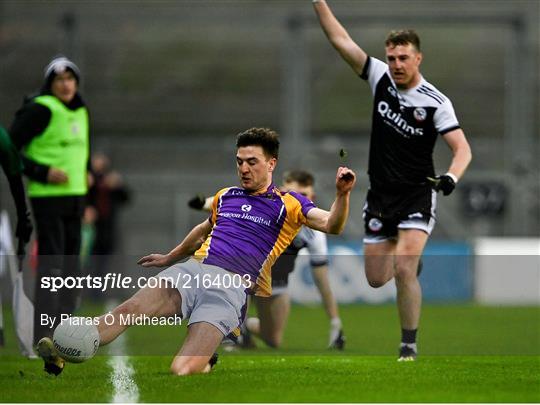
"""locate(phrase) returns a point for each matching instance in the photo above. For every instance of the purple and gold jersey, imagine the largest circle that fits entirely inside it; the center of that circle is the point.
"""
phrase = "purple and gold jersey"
(250, 232)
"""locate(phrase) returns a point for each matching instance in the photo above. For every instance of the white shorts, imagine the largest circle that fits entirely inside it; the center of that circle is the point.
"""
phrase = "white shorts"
(209, 294)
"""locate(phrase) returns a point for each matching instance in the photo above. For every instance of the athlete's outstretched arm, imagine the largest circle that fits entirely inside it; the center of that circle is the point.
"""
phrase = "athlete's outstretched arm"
(460, 149)
(333, 221)
(188, 246)
(339, 37)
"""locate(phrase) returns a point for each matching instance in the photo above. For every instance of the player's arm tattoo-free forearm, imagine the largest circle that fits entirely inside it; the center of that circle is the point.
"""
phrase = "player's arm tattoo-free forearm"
(192, 241)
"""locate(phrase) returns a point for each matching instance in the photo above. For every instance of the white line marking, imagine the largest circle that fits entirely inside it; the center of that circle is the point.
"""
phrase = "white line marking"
(125, 387)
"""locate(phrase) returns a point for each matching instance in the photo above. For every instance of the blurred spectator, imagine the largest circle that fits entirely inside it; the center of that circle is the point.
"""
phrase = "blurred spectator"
(12, 165)
(106, 195)
(52, 128)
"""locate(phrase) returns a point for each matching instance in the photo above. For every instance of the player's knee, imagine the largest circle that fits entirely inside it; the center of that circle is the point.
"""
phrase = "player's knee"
(377, 279)
(405, 272)
(185, 368)
(376, 283)
(378, 276)
(181, 369)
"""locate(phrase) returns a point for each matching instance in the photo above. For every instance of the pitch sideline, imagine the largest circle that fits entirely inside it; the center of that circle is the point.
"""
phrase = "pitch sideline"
(125, 387)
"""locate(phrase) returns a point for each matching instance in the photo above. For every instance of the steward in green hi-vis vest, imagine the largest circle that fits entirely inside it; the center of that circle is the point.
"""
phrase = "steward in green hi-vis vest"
(53, 130)
(64, 144)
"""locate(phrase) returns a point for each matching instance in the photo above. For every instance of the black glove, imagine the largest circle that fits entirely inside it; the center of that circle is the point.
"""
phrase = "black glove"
(24, 227)
(443, 183)
(197, 202)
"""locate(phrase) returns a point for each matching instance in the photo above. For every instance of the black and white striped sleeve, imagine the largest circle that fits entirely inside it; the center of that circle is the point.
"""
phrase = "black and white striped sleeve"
(445, 119)
(373, 70)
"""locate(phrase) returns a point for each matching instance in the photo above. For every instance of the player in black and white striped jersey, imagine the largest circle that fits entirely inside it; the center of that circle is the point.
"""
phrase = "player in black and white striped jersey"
(409, 115)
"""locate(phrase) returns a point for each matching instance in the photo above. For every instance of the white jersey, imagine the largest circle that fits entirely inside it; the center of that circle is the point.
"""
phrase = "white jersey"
(314, 241)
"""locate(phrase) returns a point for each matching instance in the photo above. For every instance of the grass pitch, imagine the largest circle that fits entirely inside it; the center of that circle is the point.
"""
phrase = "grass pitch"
(467, 354)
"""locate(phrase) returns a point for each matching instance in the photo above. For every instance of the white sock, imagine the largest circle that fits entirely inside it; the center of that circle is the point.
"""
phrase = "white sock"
(409, 345)
(335, 327)
(335, 323)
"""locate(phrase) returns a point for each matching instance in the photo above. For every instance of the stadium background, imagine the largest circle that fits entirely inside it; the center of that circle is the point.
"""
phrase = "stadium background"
(169, 84)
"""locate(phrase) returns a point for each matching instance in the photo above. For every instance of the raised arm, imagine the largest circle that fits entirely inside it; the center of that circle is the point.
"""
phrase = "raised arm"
(333, 221)
(188, 246)
(339, 37)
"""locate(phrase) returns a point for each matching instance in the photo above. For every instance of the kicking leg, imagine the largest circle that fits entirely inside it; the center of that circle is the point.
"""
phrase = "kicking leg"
(159, 301)
(163, 301)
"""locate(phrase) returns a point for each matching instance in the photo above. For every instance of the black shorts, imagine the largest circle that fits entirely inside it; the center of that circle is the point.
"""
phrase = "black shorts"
(385, 212)
(281, 269)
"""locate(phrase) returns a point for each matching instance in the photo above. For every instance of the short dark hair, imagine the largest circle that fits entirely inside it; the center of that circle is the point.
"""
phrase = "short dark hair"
(403, 37)
(266, 138)
(302, 177)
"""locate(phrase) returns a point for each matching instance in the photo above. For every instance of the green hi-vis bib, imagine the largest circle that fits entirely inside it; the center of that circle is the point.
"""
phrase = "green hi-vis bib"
(63, 145)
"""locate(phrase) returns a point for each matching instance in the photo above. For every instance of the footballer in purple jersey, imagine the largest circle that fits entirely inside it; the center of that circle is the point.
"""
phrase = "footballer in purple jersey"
(249, 228)
(273, 311)
(251, 231)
